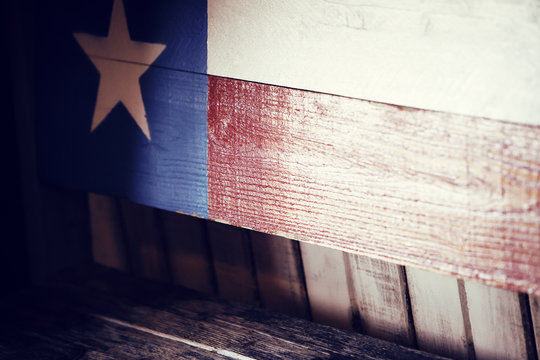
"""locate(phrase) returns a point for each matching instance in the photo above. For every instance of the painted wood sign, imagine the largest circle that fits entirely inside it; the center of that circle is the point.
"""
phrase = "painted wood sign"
(228, 110)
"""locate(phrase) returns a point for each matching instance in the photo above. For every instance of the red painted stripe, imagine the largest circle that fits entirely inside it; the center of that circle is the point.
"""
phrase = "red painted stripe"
(441, 191)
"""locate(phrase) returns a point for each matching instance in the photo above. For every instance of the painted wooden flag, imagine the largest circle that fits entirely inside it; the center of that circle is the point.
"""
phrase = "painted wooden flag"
(113, 124)
(276, 116)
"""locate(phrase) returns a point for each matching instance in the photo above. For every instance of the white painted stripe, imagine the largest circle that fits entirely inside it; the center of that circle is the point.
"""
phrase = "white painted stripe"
(198, 345)
(478, 58)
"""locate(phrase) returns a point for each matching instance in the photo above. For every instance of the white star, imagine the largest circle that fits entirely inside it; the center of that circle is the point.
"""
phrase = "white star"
(120, 62)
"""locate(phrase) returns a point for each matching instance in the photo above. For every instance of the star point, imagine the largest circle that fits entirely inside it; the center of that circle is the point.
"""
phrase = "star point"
(120, 62)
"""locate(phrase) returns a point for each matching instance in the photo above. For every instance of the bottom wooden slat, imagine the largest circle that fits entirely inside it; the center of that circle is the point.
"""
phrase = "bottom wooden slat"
(104, 314)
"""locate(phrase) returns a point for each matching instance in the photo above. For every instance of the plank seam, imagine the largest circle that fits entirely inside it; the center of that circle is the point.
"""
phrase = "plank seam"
(471, 354)
(296, 248)
(405, 291)
(528, 330)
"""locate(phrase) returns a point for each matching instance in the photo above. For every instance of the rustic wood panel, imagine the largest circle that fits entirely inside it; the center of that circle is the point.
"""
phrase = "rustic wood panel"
(233, 262)
(327, 286)
(146, 246)
(443, 55)
(280, 275)
(378, 292)
(188, 253)
(108, 240)
(496, 322)
(442, 191)
(109, 314)
(94, 337)
(438, 314)
(535, 315)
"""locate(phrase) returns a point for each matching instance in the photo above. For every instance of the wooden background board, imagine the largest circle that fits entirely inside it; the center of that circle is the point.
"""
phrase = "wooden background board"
(420, 309)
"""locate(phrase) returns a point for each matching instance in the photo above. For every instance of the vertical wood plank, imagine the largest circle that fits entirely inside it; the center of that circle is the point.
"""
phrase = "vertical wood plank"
(380, 295)
(108, 243)
(144, 241)
(327, 287)
(496, 322)
(535, 315)
(279, 274)
(437, 313)
(187, 251)
(233, 262)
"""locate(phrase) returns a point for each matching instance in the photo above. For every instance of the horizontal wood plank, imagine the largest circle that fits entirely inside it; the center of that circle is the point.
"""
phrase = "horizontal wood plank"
(477, 58)
(440, 191)
(107, 314)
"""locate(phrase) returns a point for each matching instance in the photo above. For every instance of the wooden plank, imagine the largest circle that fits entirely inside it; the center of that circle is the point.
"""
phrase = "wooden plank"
(112, 305)
(458, 194)
(280, 275)
(29, 334)
(439, 319)
(496, 322)
(327, 287)
(535, 315)
(441, 55)
(380, 295)
(233, 262)
(188, 253)
(145, 243)
(108, 242)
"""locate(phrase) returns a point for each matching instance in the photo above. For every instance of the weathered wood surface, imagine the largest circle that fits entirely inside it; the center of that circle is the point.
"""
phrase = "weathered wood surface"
(233, 262)
(327, 286)
(145, 242)
(439, 318)
(379, 295)
(105, 315)
(535, 315)
(109, 245)
(280, 274)
(187, 251)
(497, 323)
(444, 55)
(439, 191)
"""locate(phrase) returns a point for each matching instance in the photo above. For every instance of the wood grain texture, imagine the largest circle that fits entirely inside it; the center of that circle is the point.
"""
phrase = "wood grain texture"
(535, 315)
(109, 315)
(327, 286)
(437, 312)
(441, 191)
(280, 276)
(379, 293)
(145, 243)
(187, 252)
(496, 322)
(108, 240)
(233, 262)
(441, 55)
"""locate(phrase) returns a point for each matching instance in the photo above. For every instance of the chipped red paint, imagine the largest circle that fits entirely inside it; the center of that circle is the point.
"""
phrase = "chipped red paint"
(441, 191)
